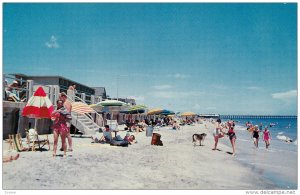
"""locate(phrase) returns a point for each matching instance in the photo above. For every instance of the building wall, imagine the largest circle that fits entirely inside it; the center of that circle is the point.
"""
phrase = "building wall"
(14, 122)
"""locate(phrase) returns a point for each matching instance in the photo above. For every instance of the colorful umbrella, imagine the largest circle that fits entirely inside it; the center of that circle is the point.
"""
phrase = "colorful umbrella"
(188, 114)
(81, 108)
(166, 112)
(38, 106)
(111, 103)
(154, 111)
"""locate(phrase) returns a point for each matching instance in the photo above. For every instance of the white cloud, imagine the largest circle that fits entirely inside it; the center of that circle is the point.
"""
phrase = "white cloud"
(178, 76)
(52, 43)
(162, 87)
(137, 98)
(288, 95)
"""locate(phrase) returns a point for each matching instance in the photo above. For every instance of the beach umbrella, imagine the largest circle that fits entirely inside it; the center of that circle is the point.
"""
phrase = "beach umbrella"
(81, 108)
(154, 111)
(38, 106)
(166, 112)
(137, 107)
(188, 114)
(111, 103)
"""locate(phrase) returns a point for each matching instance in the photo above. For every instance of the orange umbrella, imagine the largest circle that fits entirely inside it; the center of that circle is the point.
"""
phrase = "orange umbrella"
(154, 111)
(188, 114)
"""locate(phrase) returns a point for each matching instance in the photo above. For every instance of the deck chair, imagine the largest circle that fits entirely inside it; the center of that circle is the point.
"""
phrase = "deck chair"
(15, 143)
(34, 140)
(113, 124)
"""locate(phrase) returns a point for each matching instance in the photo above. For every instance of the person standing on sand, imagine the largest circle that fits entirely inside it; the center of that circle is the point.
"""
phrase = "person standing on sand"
(218, 133)
(60, 117)
(255, 135)
(68, 106)
(232, 138)
(267, 137)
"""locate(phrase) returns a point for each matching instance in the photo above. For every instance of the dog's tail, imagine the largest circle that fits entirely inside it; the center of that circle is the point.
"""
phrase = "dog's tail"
(193, 138)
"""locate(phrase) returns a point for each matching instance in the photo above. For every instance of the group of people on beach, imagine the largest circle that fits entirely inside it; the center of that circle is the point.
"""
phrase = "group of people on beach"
(219, 133)
(255, 130)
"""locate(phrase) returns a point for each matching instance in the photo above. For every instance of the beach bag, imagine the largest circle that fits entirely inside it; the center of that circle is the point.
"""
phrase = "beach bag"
(156, 139)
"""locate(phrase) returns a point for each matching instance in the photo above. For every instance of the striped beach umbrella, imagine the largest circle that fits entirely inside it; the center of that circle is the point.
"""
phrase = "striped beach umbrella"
(38, 106)
(81, 108)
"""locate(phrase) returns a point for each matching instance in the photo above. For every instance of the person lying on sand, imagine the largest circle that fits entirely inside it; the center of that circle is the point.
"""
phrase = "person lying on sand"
(10, 158)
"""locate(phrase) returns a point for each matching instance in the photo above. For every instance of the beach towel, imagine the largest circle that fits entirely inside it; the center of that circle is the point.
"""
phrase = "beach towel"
(119, 143)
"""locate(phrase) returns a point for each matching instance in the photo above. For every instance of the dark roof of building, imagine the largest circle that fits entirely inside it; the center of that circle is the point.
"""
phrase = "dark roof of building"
(51, 76)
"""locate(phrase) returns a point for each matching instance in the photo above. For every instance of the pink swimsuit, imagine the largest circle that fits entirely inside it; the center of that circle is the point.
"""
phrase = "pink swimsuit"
(266, 135)
(60, 123)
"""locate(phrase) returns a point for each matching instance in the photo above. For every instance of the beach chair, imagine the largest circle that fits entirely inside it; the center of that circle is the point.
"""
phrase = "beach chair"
(113, 124)
(34, 140)
(15, 143)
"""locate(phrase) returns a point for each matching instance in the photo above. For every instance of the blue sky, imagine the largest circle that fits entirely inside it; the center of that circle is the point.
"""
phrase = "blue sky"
(208, 58)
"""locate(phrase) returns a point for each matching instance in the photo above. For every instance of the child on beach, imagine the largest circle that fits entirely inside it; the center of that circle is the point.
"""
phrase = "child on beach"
(267, 137)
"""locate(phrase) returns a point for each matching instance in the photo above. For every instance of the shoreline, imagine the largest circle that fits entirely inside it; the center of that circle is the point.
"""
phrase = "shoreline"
(176, 165)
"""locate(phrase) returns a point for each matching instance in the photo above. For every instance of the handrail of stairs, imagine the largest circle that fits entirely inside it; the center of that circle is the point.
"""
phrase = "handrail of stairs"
(88, 115)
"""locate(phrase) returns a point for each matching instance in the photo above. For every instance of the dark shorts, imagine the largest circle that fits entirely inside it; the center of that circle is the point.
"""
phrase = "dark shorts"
(232, 135)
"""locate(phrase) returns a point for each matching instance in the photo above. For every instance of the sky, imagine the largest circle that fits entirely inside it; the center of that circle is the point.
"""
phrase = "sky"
(225, 58)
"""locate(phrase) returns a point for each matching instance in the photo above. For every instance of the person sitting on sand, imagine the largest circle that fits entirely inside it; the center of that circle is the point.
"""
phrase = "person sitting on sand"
(175, 126)
(10, 158)
(106, 138)
(218, 133)
(130, 138)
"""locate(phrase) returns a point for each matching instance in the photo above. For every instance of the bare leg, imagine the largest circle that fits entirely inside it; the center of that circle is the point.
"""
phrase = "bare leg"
(7, 159)
(16, 157)
(233, 145)
(70, 141)
(216, 142)
(63, 143)
(55, 134)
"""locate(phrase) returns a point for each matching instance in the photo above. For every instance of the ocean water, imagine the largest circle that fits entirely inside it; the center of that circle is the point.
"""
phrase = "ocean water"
(279, 163)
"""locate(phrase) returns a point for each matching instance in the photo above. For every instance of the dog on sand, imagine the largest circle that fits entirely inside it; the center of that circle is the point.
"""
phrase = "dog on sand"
(199, 137)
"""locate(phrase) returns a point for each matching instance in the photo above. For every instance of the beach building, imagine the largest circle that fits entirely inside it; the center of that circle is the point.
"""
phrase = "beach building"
(14, 122)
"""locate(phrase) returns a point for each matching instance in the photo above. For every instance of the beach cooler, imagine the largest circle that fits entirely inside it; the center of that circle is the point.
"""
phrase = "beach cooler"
(149, 131)
(156, 139)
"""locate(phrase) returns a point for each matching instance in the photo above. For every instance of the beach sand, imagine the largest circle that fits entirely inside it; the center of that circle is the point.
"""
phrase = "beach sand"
(178, 164)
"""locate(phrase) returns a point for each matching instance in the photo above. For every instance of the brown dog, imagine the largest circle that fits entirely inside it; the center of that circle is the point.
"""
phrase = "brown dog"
(198, 137)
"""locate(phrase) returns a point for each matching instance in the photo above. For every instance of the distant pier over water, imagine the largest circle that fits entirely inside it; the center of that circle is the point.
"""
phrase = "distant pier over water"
(256, 116)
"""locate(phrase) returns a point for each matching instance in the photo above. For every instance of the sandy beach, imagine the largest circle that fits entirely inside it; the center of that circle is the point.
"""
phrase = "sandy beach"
(178, 164)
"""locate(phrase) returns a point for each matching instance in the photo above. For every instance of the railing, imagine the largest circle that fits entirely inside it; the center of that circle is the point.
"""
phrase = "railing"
(78, 99)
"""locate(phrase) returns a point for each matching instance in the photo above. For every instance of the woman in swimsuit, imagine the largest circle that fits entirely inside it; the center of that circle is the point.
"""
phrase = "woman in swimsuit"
(255, 135)
(267, 137)
(232, 138)
(60, 117)
(218, 133)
